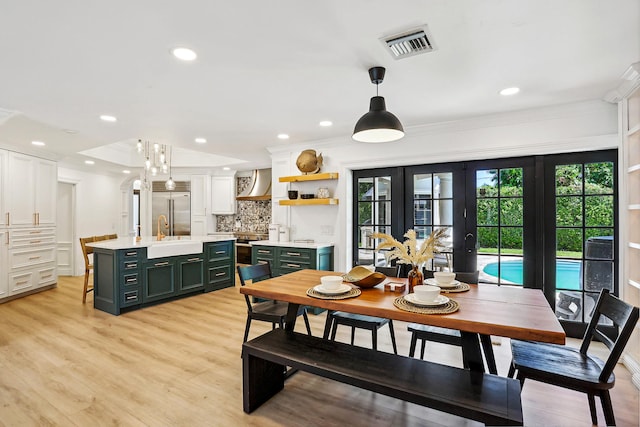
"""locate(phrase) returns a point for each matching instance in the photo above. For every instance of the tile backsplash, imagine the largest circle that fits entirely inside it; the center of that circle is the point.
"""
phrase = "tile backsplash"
(251, 215)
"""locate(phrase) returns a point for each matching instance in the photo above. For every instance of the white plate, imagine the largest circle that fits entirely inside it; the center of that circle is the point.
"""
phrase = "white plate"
(441, 300)
(340, 290)
(434, 283)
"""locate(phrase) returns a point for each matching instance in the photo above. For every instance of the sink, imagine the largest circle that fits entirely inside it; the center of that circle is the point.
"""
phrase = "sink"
(166, 248)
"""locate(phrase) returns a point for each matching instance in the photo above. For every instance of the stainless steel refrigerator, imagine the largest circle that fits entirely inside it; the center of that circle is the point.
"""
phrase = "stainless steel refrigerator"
(174, 205)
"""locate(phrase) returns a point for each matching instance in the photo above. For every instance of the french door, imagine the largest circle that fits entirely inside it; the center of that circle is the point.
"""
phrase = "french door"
(546, 222)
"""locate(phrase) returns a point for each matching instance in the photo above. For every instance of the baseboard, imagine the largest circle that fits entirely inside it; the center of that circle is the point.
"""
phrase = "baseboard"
(633, 366)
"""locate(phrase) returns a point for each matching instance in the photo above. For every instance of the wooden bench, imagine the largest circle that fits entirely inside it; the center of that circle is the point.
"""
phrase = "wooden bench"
(487, 398)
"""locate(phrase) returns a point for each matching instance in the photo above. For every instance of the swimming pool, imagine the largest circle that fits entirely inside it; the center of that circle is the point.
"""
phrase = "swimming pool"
(567, 272)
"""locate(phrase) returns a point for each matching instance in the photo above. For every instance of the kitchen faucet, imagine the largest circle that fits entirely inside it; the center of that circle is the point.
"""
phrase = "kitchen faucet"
(166, 225)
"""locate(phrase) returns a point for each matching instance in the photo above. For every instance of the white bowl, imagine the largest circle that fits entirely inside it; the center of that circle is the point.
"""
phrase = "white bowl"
(426, 293)
(444, 277)
(331, 282)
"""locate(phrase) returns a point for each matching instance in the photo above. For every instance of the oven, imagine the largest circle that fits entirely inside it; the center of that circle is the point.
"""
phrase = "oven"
(243, 247)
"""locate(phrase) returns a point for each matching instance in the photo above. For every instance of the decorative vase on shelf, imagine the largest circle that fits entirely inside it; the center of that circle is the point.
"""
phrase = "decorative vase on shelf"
(415, 278)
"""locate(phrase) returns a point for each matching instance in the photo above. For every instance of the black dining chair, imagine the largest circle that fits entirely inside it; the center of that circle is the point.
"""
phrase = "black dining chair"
(424, 333)
(271, 311)
(574, 368)
(360, 321)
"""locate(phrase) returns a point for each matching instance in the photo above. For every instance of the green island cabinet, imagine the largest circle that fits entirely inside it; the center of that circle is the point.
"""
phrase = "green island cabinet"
(124, 279)
(287, 259)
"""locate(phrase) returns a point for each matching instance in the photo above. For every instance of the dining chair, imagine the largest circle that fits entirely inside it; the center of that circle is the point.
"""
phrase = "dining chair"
(271, 311)
(575, 368)
(424, 333)
(360, 321)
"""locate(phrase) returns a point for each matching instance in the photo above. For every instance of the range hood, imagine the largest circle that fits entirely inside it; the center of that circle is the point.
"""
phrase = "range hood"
(260, 186)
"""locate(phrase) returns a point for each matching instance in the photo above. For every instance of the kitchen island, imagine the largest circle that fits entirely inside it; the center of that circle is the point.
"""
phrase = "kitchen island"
(130, 274)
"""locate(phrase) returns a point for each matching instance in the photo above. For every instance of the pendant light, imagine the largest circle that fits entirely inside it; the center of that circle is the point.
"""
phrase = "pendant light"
(378, 125)
(170, 184)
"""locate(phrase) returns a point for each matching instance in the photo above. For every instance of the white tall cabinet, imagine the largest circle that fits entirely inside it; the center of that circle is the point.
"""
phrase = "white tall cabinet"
(200, 206)
(27, 224)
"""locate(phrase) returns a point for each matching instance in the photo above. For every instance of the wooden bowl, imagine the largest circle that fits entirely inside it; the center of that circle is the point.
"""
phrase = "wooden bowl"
(363, 277)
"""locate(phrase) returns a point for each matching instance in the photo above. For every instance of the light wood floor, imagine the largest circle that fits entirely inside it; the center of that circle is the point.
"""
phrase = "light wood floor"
(64, 363)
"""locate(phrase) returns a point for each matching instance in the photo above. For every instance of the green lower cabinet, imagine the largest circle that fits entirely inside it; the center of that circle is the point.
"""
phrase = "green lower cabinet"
(221, 265)
(191, 273)
(159, 281)
(284, 260)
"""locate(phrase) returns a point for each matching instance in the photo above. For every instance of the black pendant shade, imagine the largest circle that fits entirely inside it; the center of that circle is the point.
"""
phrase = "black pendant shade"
(378, 125)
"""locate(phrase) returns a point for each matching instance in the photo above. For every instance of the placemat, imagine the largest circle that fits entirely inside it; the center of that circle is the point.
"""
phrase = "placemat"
(462, 287)
(354, 292)
(451, 307)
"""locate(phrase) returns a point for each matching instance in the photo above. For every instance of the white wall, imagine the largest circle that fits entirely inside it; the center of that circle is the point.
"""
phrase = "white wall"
(567, 128)
(97, 206)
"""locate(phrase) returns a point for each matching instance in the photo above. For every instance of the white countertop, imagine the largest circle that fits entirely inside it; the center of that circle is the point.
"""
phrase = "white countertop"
(302, 245)
(130, 242)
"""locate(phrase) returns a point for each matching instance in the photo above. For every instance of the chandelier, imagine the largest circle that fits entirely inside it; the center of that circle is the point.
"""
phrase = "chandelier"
(157, 160)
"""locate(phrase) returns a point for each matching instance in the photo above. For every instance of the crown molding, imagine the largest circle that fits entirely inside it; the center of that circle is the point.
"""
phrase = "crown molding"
(629, 81)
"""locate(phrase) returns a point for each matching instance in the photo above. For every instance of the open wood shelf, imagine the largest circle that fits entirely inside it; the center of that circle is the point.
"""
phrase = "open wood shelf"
(313, 177)
(300, 202)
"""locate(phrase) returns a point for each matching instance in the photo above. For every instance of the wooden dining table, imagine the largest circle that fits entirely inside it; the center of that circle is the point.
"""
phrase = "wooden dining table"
(507, 311)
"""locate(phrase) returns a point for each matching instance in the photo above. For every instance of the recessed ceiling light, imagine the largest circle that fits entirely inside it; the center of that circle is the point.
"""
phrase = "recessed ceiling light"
(226, 168)
(184, 54)
(326, 123)
(38, 143)
(283, 136)
(90, 162)
(107, 118)
(509, 91)
(70, 131)
(126, 171)
(201, 140)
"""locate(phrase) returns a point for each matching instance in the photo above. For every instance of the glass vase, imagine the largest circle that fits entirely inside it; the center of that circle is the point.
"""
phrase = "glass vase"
(415, 278)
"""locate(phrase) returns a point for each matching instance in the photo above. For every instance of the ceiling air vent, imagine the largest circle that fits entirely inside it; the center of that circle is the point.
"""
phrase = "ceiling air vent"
(408, 43)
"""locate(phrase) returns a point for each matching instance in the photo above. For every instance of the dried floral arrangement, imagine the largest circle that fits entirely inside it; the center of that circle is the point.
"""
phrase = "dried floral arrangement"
(408, 252)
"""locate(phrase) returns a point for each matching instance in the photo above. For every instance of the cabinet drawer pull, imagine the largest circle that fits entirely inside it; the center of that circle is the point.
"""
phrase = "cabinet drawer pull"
(46, 276)
(194, 259)
(8, 219)
(33, 242)
(160, 264)
(131, 280)
(221, 274)
(130, 296)
(35, 232)
(262, 262)
(221, 252)
(293, 265)
(24, 282)
(262, 251)
(33, 257)
(132, 265)
(131, 253)
(294, 254)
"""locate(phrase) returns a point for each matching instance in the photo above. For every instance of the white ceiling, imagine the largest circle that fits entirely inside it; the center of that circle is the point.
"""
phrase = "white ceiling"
(266, 67)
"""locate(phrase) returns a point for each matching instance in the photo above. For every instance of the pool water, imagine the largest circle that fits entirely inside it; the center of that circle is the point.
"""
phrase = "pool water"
(567, 273)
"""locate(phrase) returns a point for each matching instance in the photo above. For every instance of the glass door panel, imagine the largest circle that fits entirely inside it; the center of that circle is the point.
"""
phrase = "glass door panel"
(432, 207)
(374, 214)
(585, 250)
(499, 225)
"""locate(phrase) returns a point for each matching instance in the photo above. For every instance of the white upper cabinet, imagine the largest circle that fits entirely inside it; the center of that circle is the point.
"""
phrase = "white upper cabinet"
(31, 195)
(223, 195)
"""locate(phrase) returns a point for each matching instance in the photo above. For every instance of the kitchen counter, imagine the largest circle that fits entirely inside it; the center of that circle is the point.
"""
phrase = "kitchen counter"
(129, 275)
(301, 245)
(130, 242)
